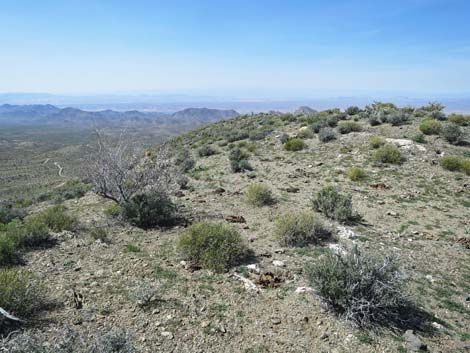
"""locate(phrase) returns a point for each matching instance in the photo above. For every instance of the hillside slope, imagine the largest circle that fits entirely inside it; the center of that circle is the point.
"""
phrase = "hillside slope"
(415, 209)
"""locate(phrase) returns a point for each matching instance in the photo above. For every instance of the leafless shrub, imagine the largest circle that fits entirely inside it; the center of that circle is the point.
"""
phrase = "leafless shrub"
(120, 169)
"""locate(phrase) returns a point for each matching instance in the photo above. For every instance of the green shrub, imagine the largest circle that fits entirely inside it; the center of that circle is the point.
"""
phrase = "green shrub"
(374, 120)
(345, 127)
(239, 161)
(8, 213)
(206, 151)
(452, 133)
(21, 293)
(388, 154)
(459, 119)
(430, 127)
(356, 174)
(353, 110)
(376, 141)
(318, 125)
(73, 189)
(258, 195)
(452, 163)
(366, 289)
(465, 166)
(294, 144)
(35, 233)
(300, 229)
(150, 210)
(214, 246)
(326, 135)
(113, 211)
(184, 160)
(8, 250)
(419, 138)
(305, 133)
(100, 234)
(57, 219)
(397, 119)
(237, 136)
(335, 205)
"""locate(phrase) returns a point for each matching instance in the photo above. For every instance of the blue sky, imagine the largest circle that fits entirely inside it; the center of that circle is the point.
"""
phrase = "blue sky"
(246, 48)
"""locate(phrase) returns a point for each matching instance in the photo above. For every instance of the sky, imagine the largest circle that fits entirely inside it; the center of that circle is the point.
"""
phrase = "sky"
(244, 48)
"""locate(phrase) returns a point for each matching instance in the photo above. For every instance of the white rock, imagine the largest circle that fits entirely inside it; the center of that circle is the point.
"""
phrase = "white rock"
(301, 290)
(253, 268)
(335, 248)
(346, 233)
(406, 144)
(429, 278)
(279, 263)
(437, 325)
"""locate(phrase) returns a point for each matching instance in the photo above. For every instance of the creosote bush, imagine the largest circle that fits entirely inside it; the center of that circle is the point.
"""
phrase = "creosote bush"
(239, 161)
(206, 151)
(8, 250)
(356, 174)
(365, 289)
(345, 127)
(388, 154)
(452, 163)
(215, 246)
(300, 229)
(259, 195)
(334, 204)
(459, 119)
(57, 219)
(430, 127)
(376, 141)
(149, 210)
(326, 135)
(419, 138)
(452, 133)
(21, 293)
(294, 144)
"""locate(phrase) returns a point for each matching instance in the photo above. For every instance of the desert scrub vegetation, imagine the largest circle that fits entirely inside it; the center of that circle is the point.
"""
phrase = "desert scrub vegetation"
(326, 135)
(21, 294)
(294, 144)
(456, 164)
(258, 195)
(300, 229)
(430, 127)
(8, 212)
(206, 151)
(334, 204)
(366, 289)
(215, 246)
(388, 154)
(452, 133)
(239, 161)
(419, 138)
(376, 141)
(346, 127)
(71, 189)
(150, 210)
(8, 250)
(32, 232)
(183, 160)
(67, 340)
(459, 119)
(356, 174)
(57, 218)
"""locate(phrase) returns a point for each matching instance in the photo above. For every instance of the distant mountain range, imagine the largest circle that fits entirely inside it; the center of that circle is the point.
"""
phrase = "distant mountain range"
(49, 114)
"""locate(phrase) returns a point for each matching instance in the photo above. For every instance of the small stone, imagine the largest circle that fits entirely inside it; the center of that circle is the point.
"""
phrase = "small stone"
(167, 334)
(436, 325)
(253, 268)
(325, 335)
(300, 290)
(276, 321)
(413, 342)
(279, 263)
(430, 278)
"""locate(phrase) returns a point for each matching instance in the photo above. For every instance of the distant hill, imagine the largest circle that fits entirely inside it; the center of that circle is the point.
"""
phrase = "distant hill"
(49, 114)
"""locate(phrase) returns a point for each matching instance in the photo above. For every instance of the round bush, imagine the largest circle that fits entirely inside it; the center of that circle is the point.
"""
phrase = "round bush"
(150, 210)
(345, 127)
(388, 154)
(21, 293)
(294, 144)
(356, 174)
(326, 135)
(300, 229)
(8, 250)
(459, 119)
(57, 219)
(215, 246)
(452, 163)
(430, 127)
(465, 166)
(206, 151)
(376, 141)
(365, 289)
(258, 195)
(334, 204)
(452, 133)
